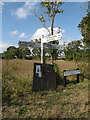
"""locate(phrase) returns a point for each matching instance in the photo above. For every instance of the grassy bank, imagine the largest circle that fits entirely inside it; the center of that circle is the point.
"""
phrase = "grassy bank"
(19, 101)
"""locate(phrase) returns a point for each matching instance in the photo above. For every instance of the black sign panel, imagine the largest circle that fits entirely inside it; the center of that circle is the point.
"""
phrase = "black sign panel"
(44, 77)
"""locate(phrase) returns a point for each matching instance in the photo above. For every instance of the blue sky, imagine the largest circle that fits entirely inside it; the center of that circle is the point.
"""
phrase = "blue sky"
(18, 23)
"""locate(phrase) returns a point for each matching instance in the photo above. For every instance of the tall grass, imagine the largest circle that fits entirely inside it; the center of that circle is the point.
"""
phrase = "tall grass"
(19, 101)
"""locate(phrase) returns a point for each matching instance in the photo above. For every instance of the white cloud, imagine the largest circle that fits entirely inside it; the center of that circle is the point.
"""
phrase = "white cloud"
(1, 3)
(13, 0)
(69, 40)
(3, 46)
(39, 33)
(1, 7)
(62, 30)
(82, 43)
(43, 31)
(16, 0)
(61, 42)
(25, 10)
(81, 37)
(14, 32)
(23, 35)
(46, 0)
(21, 13)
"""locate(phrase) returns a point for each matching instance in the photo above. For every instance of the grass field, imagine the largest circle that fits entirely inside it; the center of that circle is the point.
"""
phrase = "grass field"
(19, 101)
(25, 66)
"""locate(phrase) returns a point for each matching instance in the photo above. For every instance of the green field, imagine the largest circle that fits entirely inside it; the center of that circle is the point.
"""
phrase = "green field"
(19, 101)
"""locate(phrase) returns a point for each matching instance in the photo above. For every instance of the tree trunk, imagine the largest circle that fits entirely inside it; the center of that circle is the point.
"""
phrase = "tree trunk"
(52, 21)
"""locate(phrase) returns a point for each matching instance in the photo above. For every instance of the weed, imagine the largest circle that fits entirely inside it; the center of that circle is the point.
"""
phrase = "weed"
(22, 109)
(59, 80)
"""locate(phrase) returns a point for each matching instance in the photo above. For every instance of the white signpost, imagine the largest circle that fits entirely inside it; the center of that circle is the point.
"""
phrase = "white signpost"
(46, 40)
(44, 44)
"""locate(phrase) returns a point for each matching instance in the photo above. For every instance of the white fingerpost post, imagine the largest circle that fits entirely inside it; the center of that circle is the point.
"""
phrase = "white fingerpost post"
(42, 50)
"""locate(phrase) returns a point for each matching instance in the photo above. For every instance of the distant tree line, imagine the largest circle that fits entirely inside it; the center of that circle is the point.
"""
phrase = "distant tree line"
(74, 50)
(13, 52)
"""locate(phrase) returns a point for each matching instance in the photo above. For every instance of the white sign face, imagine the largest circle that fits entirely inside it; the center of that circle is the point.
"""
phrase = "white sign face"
(73, 72)
(38, 70)
(51, 38)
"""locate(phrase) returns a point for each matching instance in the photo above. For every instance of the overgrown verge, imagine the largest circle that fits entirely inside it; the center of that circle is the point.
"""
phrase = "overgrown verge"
(16, 87)
(59, 79)
(19, 101)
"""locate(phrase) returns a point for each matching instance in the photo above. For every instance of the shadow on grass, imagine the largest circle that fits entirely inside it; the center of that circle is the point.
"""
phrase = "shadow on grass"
(68, 81)
(71, 82)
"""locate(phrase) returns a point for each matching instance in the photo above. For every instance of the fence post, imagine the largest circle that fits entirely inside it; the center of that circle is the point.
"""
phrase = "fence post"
(64, 78)
(77, 76)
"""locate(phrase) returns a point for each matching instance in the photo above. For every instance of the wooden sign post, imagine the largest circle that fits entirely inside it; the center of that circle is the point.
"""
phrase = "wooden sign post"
(44, 77)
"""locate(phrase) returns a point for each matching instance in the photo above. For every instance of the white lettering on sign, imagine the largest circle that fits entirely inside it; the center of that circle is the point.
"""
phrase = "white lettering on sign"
(73, 72)
(38, 45)
(51, 38)
(38, 70)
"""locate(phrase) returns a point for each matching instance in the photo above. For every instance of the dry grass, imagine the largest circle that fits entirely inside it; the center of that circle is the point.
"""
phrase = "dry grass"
(19, 101)
(22, 66)
(26, 66)
(69, 102)
(66, 65)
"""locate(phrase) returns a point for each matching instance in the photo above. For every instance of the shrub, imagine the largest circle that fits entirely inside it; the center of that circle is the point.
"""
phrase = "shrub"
(59, 80)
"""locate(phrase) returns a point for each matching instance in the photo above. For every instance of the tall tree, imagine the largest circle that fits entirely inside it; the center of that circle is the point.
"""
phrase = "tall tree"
(22, 52)
(51, 8)
(10, 53)
(73, 51)
(84, 26)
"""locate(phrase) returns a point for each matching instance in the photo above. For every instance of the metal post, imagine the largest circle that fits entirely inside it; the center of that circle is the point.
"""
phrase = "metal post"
(42, 52)
(64, 78)
(77, 76)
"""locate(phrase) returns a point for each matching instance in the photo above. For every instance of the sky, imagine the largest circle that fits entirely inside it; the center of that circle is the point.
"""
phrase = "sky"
(20, 24)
